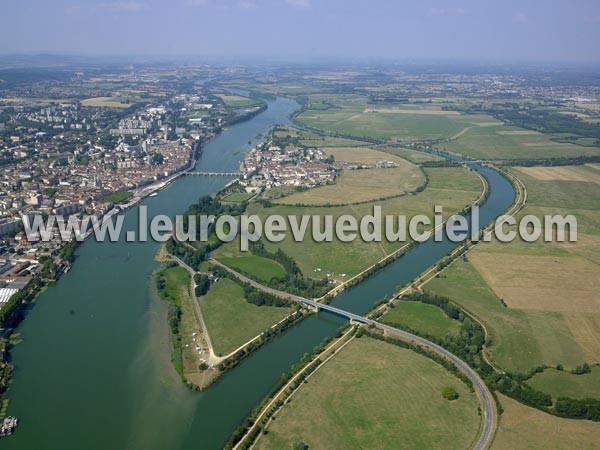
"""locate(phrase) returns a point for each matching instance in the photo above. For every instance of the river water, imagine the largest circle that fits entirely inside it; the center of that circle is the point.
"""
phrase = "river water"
(94, 371)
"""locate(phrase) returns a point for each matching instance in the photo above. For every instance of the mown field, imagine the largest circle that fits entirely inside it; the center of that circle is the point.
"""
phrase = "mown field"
(453, 188)
(518, 340)
(237, 101)
(559, 383)
(421, 318)
(550, 289)
(231, 320)
(309, 139)
(509, 142)
(258, 267)
(116, 197)
(524, 427)
(354, 186)
(411, 155)
(107, 102)
(352, 115)
(375, 395)
(238, 197)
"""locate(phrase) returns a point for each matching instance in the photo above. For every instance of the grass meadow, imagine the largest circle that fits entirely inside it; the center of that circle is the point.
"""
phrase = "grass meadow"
(375, 395)
(524, 427)
(231, 320)
(550, 288)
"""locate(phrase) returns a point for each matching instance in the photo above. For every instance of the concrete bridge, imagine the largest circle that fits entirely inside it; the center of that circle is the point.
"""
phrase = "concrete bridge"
(214, 174)
(488, 404)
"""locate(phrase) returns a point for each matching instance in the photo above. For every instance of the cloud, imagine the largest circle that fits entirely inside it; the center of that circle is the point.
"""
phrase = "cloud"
(447, 11)
(247, 4)
(520, 18)
(302, 3)
(122, 7)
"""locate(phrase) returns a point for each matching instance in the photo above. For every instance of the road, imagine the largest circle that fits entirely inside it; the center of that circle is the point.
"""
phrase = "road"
(488, 403)
(212, 356)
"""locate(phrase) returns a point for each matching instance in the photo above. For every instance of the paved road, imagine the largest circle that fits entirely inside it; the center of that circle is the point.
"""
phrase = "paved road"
(488, 404)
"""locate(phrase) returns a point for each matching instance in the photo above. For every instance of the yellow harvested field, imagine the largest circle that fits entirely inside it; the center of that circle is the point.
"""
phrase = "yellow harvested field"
(355, 186)
(430, 112)
(519, 133)
(548, 283)
(586, 331)
(564, 173)
(587, 246)
(361, 155)
(107, 102)
(524, 427)
(487, 124)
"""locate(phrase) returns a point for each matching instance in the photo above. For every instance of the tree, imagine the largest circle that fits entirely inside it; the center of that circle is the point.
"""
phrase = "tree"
(158, 159)
(449, 393)
(202, 284)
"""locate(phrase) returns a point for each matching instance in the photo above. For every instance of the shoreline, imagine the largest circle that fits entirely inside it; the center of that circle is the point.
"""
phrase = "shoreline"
(247, 348)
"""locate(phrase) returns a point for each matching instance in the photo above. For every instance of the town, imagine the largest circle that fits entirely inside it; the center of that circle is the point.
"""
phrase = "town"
(67, 154)
(267, 166)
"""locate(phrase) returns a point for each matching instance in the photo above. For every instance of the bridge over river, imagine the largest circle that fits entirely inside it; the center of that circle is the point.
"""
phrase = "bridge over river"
(485, 397)
(214, 174)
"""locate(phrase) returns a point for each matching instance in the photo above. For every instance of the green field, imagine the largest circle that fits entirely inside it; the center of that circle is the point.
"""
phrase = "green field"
(376, 395)
(509, 142)
(116, 197)
(238, 197)
(421, 318)
(565, 384)
(309, 139)
(552, 315)
(237, 101)
(411, 155)
(524, 427)
(338, 258)
(356, 118)
(560, 193)
(518, 339)
(176, 290)
(256, 266)
(231, 320)
(355, 186)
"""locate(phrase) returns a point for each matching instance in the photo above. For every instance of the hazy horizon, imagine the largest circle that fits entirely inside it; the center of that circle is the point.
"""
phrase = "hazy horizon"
(516, 31)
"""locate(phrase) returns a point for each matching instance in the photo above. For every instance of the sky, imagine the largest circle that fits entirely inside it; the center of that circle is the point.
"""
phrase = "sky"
(481, 30)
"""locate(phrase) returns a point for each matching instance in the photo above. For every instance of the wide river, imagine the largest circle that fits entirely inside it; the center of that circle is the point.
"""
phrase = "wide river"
(94, 371)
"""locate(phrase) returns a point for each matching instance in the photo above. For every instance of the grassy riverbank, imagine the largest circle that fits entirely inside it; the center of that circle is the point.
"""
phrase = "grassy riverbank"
(173, 285)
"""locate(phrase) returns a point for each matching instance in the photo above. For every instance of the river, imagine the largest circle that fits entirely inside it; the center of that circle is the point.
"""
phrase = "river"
(94, 371)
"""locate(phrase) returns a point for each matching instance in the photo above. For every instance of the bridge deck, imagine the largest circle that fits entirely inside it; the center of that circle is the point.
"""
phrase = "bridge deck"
(215, 174)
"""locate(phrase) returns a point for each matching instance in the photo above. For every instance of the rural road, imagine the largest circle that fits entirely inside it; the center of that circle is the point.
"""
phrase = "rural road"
(488, 403)
(213, 358)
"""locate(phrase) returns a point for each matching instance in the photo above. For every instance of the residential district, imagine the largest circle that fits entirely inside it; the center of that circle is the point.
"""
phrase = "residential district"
(73, 157)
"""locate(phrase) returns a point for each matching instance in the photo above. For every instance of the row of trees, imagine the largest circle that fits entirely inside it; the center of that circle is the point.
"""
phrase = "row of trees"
(261, 298)
(11, 313)
(468, 345)
(293, 281)
(202, 284)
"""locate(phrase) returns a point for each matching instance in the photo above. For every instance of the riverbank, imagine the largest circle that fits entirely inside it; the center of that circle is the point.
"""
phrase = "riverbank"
(491, 419)
(108, 292)
(104, 302)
